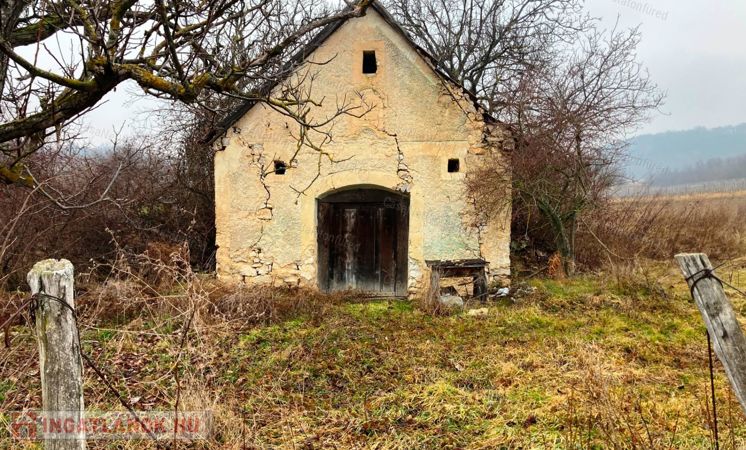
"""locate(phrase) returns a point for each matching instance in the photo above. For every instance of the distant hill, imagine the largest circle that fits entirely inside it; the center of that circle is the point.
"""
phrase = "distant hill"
(655, 155)
(711, 170)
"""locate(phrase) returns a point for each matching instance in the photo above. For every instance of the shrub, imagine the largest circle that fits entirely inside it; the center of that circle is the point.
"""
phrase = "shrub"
(659, 227)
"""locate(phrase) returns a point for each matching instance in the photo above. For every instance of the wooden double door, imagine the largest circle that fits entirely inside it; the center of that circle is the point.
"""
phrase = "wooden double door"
(362, 241)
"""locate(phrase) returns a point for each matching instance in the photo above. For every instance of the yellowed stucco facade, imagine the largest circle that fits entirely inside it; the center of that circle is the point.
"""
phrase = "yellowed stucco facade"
(415, 121)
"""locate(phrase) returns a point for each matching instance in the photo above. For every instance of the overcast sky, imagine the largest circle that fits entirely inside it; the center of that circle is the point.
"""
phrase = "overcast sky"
(694, 49)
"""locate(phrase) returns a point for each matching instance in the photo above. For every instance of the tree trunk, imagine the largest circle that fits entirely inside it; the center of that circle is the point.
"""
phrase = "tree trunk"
(10, 12)
(563, 238)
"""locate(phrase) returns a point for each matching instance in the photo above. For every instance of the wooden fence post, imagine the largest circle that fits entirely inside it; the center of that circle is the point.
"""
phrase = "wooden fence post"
(56, 331)
(720, 319)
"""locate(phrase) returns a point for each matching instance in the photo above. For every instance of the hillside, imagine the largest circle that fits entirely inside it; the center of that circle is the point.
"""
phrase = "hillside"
(651, 154)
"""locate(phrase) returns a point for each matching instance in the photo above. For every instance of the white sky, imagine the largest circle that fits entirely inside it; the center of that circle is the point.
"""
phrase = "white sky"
(126, 110)
(695, 50)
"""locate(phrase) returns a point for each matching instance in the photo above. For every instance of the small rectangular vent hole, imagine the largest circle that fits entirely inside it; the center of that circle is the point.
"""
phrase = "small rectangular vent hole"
(370, 66)
(454, 165)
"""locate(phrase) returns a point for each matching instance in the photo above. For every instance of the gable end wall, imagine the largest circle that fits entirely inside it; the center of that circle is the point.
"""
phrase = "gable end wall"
(266, 224)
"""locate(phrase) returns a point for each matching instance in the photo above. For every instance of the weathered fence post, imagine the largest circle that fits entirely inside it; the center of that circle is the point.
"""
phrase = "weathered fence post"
(720, 319)
(61, 366)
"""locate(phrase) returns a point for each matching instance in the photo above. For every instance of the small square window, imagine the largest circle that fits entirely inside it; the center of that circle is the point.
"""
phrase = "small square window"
(454, 165)
(370, 65)
(280, 168)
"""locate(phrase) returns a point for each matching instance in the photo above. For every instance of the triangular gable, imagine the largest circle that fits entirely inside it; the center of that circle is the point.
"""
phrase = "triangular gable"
(315, 43)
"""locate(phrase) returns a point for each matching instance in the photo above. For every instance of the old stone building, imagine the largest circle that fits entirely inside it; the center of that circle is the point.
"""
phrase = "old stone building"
(370, 201)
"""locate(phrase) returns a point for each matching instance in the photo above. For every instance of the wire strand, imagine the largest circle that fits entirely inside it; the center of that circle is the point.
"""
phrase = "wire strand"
(99, 373)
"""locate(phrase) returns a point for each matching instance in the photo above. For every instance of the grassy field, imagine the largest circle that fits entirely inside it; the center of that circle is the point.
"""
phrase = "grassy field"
(595, 362)
(658, 227)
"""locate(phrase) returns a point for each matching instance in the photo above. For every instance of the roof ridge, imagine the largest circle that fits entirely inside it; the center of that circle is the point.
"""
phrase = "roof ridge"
(300, 55)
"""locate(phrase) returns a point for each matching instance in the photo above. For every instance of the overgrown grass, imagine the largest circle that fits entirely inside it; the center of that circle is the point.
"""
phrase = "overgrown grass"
(594, 362)
(657, 227)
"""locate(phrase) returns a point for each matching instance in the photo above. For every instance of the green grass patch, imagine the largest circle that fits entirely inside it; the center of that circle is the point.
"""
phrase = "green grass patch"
(5, 386)
(580, 363)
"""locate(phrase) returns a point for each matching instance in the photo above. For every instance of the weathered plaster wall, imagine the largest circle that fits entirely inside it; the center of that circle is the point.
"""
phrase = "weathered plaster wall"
(266, 230)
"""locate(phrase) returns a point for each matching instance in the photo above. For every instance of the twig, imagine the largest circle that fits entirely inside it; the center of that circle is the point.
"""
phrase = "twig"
(177, 377)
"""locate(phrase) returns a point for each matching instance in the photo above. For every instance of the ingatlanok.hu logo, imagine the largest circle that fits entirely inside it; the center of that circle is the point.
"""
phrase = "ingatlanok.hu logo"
(62, 425)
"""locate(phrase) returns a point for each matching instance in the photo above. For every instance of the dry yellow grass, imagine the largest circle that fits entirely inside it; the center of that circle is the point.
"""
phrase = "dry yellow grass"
(730, 195)
(659, 227)
(612, 361)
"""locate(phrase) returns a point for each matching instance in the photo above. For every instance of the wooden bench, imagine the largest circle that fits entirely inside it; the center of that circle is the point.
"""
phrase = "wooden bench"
(474, 268)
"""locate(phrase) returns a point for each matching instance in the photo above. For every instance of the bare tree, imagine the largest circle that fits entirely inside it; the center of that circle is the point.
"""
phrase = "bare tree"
(82, 197)
(574, 131)
(59, 58)
(487, 45)
(570, 92)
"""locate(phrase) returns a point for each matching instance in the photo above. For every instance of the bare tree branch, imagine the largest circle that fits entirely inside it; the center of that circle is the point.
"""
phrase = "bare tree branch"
(168, 49)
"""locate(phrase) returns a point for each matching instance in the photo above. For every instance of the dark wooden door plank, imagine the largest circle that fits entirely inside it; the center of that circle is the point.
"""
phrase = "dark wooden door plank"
(363, 244)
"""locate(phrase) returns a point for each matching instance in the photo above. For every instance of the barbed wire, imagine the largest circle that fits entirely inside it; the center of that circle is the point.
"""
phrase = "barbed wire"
(710, 273)
(33, 303)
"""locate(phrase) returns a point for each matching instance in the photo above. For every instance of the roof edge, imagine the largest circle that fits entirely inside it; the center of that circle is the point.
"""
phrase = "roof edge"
(298, 57)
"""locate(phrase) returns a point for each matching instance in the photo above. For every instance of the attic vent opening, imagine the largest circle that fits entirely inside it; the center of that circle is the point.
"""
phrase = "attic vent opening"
(370, 66)
(280, 168)
(454, 165)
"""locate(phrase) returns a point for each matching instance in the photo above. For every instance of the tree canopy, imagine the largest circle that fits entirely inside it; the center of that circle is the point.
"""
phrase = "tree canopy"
(59, 58)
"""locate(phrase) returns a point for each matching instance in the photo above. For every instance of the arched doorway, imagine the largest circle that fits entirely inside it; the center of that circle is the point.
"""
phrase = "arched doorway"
(362, 241)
